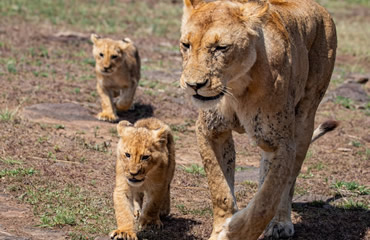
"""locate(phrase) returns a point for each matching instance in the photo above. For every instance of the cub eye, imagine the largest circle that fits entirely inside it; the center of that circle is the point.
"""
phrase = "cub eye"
(185, 45)
(145, 157)
(128, 155)
(101, 54)
(222, 48)
(114, 57)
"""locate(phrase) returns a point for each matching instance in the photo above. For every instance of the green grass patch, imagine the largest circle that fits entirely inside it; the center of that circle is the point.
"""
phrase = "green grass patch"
(352, 187)
(7, 115)
(139, 17)
(351, 204)
(207, 211)
(10, 161)
(11, 66)
(195, 169)
(58, 206)
(345, 102)
(17, 172)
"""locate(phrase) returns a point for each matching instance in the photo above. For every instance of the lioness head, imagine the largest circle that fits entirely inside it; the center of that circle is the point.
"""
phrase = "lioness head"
(108, 53)
(141, 150)
(218, 46)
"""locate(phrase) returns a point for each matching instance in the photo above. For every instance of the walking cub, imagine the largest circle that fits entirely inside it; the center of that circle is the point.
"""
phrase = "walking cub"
(144, 169)
(118, 72)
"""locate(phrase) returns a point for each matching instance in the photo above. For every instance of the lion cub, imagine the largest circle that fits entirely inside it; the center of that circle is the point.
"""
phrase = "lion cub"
(144, 169)
(118, 72)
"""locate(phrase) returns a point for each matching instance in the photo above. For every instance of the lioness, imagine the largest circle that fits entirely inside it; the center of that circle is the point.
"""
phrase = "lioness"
(260, 67)
(118, 72)
(145, 168)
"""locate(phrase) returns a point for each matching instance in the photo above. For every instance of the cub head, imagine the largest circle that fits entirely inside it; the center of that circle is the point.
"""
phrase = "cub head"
(141, 150)
(218, 46)
(109, 54)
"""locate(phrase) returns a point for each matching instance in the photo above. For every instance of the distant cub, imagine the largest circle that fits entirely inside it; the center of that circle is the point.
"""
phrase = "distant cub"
(118, 73)
(145, 168)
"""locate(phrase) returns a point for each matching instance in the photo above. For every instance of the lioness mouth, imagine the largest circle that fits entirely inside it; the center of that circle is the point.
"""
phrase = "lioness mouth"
(135, 180)
(202, 98)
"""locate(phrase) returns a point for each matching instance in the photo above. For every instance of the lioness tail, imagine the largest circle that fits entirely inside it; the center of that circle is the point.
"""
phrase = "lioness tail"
(325, 127)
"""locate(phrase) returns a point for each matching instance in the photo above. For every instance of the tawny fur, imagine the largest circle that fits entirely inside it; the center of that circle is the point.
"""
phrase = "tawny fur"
(118, 72)
(260, 67)
(145, 153)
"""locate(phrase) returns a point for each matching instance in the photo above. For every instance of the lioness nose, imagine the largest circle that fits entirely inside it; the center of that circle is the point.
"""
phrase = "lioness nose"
(106, 68)
(197, 86)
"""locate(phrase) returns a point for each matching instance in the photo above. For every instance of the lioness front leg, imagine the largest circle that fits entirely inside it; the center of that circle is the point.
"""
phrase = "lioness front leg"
(123, 206)
(281, 225)
(250, 222)
(108, 112)
(216, 147)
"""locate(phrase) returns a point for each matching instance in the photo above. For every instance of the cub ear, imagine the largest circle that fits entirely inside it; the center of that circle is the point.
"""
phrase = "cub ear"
(94, 38)
(161, 135)
(124, 44)
(121, 126)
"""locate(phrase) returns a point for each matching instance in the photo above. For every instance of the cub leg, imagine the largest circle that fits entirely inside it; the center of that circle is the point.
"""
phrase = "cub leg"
(108, 112)
(126, 98)
(152, 207)
(138, 204)
(216, 147)
(166, 203)
(123, 206)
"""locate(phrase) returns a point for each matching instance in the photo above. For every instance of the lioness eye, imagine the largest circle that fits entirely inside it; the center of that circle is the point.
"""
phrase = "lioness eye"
(128, 155)
(101, 54)
(185, 45)
(114, 56)
(144, 157)
(222, 48)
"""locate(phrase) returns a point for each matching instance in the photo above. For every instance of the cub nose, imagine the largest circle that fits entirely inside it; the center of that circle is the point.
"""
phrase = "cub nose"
(106, 68)
(134, 173)
(197, 86)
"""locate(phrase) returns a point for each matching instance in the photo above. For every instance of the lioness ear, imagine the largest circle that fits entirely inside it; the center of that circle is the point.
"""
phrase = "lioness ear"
(121, 126)
(189, 6)
(191, 3)
(254, 14)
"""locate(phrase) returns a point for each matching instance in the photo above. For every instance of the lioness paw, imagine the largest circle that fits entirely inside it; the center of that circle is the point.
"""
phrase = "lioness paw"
(123, 235)
(277, 230)
(110, 117)
(148, 223)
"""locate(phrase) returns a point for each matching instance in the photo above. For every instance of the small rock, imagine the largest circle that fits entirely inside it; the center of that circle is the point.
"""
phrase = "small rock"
(344, 149)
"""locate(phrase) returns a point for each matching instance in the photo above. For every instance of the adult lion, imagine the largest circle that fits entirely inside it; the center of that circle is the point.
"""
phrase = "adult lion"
(261, 68)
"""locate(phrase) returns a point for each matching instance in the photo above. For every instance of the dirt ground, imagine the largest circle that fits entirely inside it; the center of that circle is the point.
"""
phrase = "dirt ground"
(57, 161)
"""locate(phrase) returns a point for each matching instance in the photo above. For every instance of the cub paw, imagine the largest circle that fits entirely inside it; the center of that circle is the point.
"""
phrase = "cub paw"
(150, 223)
(123, 235)
(276, 230)
(110, 117)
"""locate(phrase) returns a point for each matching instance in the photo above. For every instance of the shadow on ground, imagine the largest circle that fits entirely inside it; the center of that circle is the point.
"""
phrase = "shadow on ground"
(174, 228)
(138, 112)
